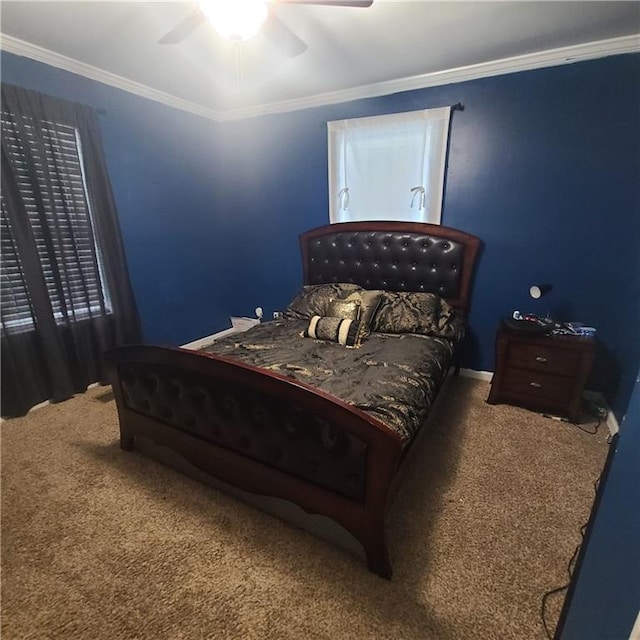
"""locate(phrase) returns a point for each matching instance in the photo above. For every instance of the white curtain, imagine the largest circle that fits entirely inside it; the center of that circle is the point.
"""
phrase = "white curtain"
(388, 167)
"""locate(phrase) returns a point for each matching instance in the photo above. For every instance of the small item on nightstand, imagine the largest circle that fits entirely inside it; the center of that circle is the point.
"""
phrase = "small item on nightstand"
(529, 323)
(574, 329)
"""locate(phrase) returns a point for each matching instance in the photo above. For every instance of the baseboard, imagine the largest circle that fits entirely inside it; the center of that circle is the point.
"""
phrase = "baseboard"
(239, 324)
(477, 375)
(612, 423)
(207, 340)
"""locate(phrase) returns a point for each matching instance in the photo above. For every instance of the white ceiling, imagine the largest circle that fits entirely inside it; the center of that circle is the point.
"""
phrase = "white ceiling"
(350, 51)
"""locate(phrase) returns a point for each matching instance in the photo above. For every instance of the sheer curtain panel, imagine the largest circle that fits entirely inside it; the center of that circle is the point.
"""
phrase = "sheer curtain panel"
(65, 295)
(388, 167)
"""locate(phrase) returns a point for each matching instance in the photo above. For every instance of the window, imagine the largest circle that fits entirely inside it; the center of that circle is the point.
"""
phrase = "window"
(62, 227)
(388, 167)
(65, 293)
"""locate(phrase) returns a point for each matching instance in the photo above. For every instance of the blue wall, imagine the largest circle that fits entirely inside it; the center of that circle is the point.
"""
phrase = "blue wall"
(543, 166)
(164, 168)
(606, 599)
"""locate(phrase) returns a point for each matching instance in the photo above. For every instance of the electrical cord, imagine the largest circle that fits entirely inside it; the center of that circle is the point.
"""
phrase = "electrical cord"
(576, 424)
(596, 412)
(552, 592)
(570, 565)
(591, 433)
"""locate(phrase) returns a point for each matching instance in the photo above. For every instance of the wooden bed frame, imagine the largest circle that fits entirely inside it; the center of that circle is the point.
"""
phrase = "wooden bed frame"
(267, 434)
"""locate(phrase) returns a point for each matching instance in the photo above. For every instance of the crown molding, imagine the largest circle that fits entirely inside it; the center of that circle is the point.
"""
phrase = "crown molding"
(526, 62)
(28, 50)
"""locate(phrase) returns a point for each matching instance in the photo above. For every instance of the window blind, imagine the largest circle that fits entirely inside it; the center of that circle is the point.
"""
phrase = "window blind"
(60, 218)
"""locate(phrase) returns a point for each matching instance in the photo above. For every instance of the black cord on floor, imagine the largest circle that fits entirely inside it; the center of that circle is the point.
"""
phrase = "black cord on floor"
(576, 424)
(570, 565)
(564, 587)
(591, 433)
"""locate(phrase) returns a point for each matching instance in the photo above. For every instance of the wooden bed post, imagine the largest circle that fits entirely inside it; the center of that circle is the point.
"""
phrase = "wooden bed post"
(374, 542)
(127, 440)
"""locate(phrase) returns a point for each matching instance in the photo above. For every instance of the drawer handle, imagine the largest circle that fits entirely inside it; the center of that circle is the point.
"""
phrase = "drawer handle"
(540, 359)
(537, 385)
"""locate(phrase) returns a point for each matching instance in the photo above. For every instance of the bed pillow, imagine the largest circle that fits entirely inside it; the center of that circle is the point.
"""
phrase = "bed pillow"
(313, 299)
(369, 303)
(344, 331)
(424, 313)
(347, 309)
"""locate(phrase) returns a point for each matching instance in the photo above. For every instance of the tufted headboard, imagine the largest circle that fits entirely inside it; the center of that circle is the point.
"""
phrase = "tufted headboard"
(395, 256)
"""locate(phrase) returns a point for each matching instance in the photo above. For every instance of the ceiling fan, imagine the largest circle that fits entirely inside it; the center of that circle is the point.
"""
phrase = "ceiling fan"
(239, 20)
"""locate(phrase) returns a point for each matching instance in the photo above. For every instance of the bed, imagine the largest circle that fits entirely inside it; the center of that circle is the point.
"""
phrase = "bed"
(280, 412)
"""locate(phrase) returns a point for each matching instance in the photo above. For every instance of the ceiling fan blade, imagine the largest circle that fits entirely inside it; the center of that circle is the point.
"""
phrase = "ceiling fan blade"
(331, 3)
(184, 28)
(278, 32)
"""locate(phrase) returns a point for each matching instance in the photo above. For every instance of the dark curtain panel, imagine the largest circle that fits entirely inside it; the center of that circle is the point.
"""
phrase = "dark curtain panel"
(66, 295)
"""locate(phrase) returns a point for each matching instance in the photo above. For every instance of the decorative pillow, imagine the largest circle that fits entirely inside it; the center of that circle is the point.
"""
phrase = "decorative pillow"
(369, 302)
(313, 299)
(425, 313)
(347, 309)
(344, 331)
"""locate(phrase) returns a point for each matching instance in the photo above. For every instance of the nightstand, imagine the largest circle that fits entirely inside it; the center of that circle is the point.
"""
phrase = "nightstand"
(540, 372)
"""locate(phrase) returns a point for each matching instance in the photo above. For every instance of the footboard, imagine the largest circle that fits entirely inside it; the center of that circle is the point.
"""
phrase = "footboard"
(262, 432)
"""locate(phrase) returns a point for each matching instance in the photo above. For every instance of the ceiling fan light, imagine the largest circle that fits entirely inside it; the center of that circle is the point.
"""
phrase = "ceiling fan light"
(235, 19)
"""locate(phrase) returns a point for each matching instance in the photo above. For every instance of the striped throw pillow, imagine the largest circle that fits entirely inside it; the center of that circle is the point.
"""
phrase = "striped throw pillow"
(344, 331)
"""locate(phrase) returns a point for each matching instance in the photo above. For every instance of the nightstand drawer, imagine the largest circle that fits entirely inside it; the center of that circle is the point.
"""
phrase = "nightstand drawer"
(543, 386)
(545, 359)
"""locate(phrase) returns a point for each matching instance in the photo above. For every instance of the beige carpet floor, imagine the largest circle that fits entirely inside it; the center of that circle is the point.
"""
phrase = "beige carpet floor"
(102, 544)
